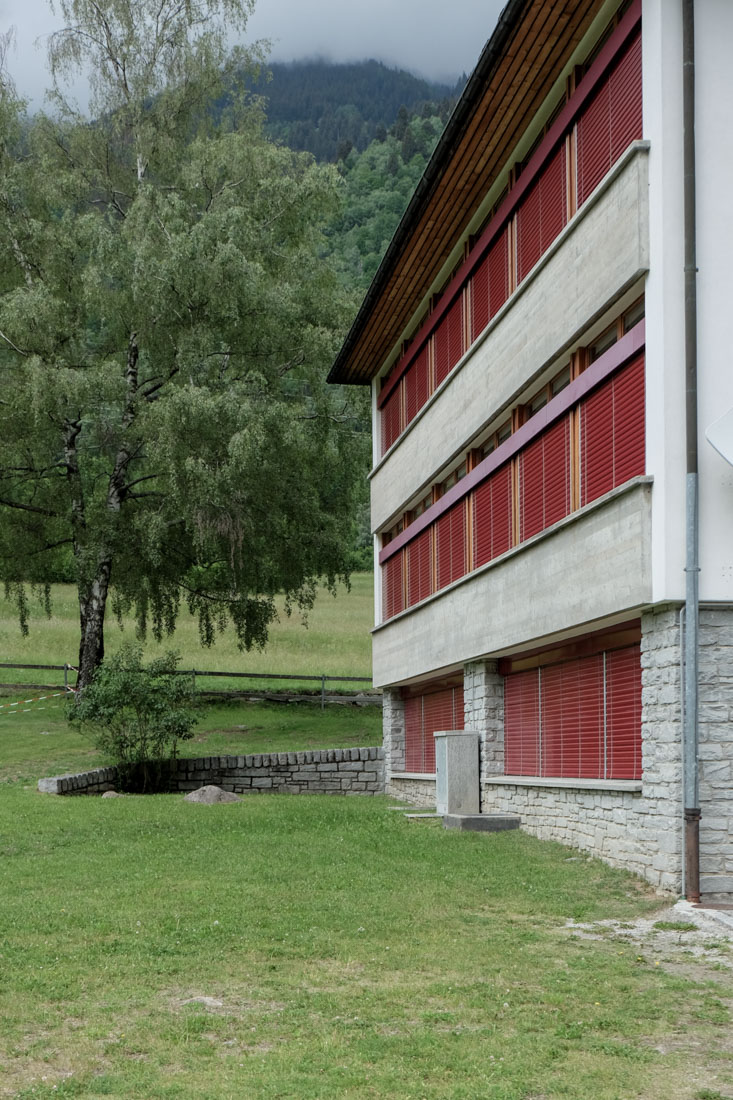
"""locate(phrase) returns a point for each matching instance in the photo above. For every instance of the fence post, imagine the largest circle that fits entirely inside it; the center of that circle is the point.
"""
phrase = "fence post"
(66, 678)
(323, 692)
(193, 677)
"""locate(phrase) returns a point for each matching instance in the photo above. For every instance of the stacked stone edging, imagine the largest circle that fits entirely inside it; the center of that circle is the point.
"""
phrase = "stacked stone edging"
(322, 771)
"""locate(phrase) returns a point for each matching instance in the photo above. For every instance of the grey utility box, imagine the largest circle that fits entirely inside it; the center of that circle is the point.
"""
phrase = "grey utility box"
(456, 772)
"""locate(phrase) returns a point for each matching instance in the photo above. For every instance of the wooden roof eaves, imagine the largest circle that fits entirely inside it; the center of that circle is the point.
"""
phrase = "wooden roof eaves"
(409, 266)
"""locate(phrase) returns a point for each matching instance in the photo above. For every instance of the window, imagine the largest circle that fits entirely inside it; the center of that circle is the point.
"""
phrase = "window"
(612, 432)
(432, 710)
(578, 718)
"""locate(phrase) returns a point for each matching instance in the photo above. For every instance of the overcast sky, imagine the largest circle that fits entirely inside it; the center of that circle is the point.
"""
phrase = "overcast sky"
(433, 38)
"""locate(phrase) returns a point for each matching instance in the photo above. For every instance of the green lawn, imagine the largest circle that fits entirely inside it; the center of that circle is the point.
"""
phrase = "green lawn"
(317, 948)
(37, 742)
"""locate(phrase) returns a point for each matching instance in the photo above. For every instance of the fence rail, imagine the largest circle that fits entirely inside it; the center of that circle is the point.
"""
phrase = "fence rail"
(320, 678)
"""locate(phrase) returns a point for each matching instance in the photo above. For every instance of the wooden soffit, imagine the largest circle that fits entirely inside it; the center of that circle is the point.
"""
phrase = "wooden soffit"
(519, 64)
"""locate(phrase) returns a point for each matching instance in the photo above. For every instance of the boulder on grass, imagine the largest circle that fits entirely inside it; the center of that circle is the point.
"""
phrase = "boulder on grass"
(211, 794)
(113, 794)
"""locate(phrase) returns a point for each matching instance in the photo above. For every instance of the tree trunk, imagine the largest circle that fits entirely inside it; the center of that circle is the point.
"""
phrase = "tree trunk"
(93, 596)
(92, 604)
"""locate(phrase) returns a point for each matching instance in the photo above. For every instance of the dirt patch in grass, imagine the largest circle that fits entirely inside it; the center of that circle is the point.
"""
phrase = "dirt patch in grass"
(693, 948)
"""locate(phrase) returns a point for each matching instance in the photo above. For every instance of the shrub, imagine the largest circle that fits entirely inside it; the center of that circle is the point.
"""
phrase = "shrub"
(137, 715)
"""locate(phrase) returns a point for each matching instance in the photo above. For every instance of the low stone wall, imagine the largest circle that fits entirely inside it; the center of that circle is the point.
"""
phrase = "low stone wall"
(325, 771)
(416, 791)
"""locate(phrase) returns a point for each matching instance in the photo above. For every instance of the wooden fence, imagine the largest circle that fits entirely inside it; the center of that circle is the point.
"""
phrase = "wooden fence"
(322, 678)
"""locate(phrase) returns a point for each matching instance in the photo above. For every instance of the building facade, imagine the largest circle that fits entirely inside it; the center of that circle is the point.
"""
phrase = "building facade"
(524, 340)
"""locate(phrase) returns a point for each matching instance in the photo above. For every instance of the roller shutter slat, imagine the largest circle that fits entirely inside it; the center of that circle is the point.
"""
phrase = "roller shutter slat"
(419, 568)
(492, 517)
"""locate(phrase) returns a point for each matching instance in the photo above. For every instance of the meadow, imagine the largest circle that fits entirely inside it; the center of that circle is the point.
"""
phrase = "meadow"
(317, 948)
(333, 638)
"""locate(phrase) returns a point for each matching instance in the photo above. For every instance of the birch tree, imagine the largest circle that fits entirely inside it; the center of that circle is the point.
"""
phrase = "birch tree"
(165, 328)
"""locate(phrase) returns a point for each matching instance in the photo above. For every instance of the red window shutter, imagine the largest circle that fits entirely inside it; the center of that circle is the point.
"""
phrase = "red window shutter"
(492, 516)
(414, 738)
(442, 710)
(626, 100)
(417, 384)
(612, 427)
(522, 723)
(541, 214)
(571, 697)
(449, 341)
(391, 418)
(419, 568)
(424, 714)
(393, 600)
(623, 713)
(451, 544)
(490, 284)
(544, 480)
(610, 122)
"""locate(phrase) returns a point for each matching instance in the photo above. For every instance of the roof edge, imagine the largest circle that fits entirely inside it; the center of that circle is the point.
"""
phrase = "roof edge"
(453, 132)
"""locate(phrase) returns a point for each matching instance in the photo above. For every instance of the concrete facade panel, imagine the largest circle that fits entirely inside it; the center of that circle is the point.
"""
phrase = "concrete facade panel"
(529, 594)
(600, 253)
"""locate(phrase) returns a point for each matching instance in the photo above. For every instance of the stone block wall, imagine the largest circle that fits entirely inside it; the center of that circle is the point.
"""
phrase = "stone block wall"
(483, 711)
(418, 792)
(638, 829)
(325, 771)
(715, 735)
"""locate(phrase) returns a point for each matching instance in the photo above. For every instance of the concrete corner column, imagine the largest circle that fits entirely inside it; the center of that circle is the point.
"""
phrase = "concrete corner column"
(393, 731)
(483, 708)
(657, 828)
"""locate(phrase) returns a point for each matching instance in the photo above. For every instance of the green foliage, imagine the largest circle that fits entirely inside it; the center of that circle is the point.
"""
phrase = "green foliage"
(167, 320)
(378, 186)
(137, 714)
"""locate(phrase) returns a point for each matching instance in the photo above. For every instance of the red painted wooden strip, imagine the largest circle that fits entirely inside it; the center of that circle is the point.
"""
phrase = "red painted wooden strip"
(572, 718)
(544, 480)
(542, 215)
(612, 428)
(611, 121)
(449, 341)
(490, 285)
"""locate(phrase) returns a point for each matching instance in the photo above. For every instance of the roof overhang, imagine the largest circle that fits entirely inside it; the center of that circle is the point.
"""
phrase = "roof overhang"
(515, 73)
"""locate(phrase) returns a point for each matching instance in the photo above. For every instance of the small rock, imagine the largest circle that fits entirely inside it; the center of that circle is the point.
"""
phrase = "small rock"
(113, 794)
(211, 794)
(207, 1002)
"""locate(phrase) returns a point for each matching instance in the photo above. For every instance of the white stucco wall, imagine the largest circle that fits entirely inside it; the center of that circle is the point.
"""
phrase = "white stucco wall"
(665, 359)
(713, 122)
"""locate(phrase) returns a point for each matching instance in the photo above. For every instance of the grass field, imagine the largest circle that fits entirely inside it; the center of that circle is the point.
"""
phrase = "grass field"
(40, 743)
(316, 948)
(336, 640)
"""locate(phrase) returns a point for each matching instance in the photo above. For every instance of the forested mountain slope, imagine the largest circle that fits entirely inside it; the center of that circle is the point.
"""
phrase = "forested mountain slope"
(329, 109)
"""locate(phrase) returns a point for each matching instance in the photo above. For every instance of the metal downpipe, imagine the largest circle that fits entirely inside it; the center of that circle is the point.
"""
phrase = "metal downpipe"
(691, 797)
